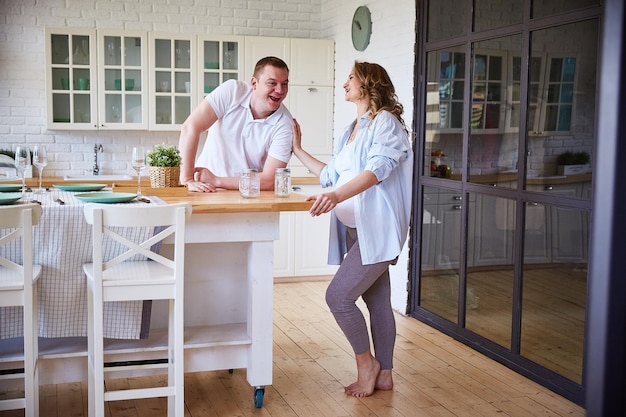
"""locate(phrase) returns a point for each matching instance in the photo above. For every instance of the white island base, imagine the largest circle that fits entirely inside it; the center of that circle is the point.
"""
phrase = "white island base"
(228, 309)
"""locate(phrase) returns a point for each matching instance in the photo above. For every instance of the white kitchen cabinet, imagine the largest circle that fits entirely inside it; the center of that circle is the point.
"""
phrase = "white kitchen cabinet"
(221, 59)
(302, 247)
(311, 93)
(312, 107)
(123, 86)
(258, 47)
(312, 62)
(173, 64)
(130, 80)
(96, 79)
(71, 78)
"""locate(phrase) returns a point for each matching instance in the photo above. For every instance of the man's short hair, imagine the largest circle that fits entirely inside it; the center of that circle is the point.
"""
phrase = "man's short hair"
(269, 60)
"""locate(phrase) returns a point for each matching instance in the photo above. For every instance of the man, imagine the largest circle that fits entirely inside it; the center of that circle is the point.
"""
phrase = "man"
(249, 127)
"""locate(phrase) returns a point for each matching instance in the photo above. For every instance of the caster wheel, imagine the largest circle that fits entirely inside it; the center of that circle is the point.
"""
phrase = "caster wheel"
(258, 397)
(230, 371)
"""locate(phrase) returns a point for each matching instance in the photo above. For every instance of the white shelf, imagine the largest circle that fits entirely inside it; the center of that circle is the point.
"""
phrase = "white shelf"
(68, 347)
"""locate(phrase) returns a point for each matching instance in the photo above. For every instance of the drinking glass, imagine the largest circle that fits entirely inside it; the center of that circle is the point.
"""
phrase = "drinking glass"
(139, 163)
(40, 160)
(22, 163)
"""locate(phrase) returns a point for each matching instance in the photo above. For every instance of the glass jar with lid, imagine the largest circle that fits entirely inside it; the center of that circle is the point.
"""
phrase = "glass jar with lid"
(282, 182)
(250, 183)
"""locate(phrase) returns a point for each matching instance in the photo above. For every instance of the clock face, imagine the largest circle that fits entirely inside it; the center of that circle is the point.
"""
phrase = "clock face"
(361, 28)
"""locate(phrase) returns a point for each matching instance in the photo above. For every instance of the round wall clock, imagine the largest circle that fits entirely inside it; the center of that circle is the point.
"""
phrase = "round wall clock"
(361, 28)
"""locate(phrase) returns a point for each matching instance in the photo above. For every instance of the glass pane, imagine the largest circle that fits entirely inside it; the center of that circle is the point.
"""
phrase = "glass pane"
(133, 109)
(231, 55)
(541, 8)
(80, 48)
(181, 79)
(60, 79)
(163, 81)
(82, 108)
(163, 53)
(113, 79)
(211, 54)
(113, 52)
(211, 81)
(114, 108)
(507, 12)
(60, 49)
(444, 120)
(494, 120)
(183, 109)
(163, 110)
(562, 129)
(230, 76)
(132, 52)
(61, 108)
(133, 80)
(555, 288)
(489, 290)
(81, 79)
(183, 54)
(441, 252)
(446, 19)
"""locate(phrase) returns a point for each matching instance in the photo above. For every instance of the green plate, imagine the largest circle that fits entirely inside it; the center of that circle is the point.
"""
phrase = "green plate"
(7, 188)
(106, 197)
(9, 198)
(80, 187)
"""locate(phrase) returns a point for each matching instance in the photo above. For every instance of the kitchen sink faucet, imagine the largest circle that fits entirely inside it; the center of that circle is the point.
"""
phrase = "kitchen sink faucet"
(96, 148)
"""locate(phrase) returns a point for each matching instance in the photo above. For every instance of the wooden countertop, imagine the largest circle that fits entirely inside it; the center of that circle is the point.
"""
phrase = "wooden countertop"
(229, 201)
(222, 201)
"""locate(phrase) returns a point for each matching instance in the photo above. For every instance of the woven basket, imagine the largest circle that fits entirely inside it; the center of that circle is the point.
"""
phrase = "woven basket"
(162, 177)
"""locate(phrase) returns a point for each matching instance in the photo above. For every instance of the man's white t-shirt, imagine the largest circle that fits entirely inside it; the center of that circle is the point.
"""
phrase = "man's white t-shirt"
(237, 141)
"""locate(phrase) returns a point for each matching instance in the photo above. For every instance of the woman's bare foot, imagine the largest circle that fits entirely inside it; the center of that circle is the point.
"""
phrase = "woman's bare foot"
(368, 370)
(384, 382)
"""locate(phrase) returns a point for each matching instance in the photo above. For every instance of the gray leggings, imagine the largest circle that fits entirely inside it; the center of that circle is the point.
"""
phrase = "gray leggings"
(371, 282)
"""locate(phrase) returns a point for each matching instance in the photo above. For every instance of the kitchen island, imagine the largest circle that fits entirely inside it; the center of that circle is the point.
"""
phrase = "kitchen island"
(228, 295)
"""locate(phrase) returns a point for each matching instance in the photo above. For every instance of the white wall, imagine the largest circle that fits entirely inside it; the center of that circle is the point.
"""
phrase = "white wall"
(22, 60)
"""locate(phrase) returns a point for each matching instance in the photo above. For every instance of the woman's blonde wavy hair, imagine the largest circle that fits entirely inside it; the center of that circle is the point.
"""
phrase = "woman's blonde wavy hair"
(382, 94)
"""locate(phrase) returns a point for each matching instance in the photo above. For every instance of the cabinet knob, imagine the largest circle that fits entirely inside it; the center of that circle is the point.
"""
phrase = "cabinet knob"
(456, 207)
(457, 198)
(311, 89)
(548, 188)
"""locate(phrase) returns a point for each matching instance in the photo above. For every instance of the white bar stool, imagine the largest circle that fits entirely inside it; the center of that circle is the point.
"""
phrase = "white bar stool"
(18, 287)
(125, 278)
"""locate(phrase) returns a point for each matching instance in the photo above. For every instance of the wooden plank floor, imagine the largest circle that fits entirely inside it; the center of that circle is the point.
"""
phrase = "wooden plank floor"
(433, 374)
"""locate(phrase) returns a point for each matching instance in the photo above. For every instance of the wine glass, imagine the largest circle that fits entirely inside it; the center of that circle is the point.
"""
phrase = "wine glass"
(22, 163)
(40, 160)
(138, 163)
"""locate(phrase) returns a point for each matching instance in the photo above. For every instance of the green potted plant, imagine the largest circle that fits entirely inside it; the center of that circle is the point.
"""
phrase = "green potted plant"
(164, 164)
(573, 163)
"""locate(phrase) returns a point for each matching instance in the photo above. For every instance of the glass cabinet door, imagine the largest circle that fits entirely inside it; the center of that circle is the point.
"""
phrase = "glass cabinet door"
(123, 97)
(221, 60)
(171, 85)
(71, 79)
